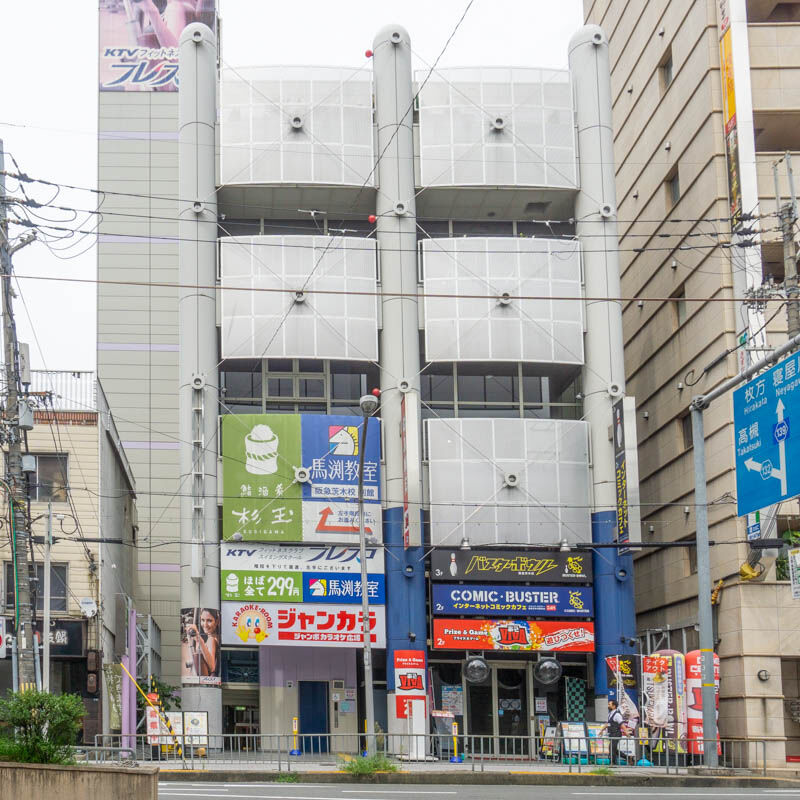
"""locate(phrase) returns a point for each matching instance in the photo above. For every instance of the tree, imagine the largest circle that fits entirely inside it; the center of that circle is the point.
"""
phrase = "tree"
(39, 728)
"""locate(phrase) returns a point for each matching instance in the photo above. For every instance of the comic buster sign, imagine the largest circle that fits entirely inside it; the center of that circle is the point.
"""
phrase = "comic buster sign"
(462, 634)
(292, 478)
(139, 42)
(287, 625)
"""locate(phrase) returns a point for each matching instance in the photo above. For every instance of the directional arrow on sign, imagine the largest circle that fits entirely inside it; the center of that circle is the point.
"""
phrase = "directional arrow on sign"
(765, 468)
(779, 409)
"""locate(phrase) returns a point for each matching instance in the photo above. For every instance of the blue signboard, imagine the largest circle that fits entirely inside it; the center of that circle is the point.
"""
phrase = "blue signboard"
(325, 587)
(765, 415)
(331, 450)
(515, 601)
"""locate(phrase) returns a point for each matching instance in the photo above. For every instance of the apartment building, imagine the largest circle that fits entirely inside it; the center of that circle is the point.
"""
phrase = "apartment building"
(705, 99)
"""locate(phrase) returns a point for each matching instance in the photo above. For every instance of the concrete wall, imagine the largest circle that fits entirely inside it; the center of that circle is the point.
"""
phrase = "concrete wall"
(78, 783)
(137, 330)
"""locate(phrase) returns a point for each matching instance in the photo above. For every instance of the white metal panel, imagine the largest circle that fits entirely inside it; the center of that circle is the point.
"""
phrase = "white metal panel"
(469, 461)
(330, 141)
(70, 391)
(540, 329)
(496, 126)
(268, 323)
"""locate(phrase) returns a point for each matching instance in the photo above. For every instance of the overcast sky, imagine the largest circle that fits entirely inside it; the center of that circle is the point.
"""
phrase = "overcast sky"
(48, 111)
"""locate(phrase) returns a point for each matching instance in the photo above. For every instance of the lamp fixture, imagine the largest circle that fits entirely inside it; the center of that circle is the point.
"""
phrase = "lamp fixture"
(565, 547)
(464, 544)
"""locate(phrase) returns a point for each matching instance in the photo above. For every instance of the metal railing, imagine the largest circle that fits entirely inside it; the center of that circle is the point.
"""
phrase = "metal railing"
(287, 752)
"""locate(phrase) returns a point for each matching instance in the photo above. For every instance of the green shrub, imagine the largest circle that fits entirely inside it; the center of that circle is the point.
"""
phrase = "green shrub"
(367, 765)
(287, 777)
(601, 771)
(39, 728)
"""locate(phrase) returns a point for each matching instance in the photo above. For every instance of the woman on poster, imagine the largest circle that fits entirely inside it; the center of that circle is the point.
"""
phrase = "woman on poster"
(202, 638)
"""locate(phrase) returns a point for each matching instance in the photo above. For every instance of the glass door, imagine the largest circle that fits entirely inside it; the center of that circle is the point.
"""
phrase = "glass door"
(498, 712)
(513, 720)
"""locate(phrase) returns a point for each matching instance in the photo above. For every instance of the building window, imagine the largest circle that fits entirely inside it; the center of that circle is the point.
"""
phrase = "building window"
(679, 304)
(673, 188)
(49, 481)
(240, 666)
(691, 554)
(686, 431)
(665, 71)
(58, 586)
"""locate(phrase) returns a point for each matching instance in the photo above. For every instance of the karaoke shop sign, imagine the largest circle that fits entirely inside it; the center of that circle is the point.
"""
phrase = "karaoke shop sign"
(294, 478)
(502, 566)
(288, 624)
(257, 572)
(506, 634)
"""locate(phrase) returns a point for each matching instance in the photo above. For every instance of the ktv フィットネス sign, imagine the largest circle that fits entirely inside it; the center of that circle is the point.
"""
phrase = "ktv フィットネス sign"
(528, 566)
(514, 600)
(505, 634)
(288, 624)
(292, 478)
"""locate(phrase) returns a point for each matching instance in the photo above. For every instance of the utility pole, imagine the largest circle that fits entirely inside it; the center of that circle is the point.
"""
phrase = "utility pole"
(15, 478)
(48, 543)
(787, 214)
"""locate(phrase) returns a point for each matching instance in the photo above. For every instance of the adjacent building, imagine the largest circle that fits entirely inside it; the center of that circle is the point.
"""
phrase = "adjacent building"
(706, 98)
(298, 237)
(81, 487)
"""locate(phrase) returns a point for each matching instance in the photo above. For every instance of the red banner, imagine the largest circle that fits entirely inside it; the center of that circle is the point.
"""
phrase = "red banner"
(502, 634)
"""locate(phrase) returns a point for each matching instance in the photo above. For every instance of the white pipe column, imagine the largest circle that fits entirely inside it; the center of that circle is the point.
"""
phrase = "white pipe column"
(396, 233)
(198, 376)
(604, 367)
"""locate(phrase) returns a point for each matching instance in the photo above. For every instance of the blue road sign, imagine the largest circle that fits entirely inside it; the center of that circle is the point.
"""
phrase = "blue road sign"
(765, 411)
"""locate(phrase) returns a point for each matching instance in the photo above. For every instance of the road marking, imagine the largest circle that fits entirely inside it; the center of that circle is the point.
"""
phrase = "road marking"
(392, 791)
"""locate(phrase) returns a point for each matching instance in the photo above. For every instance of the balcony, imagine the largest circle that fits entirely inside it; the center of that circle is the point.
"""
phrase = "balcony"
(490, 322)
(304, 131)
(774, 63)
(509, 131)
(771, 235)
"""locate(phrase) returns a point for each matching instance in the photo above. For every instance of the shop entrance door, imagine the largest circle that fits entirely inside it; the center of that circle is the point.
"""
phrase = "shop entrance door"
(498, 712)
(313, 713)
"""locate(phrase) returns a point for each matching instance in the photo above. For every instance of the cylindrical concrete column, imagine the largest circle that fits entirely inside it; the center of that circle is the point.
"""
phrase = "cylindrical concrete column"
(604, 366)
(198, 376)
(399, 347)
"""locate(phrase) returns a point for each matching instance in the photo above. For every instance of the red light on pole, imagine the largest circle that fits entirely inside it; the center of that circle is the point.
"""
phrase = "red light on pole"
(368, 54)
(372, 219)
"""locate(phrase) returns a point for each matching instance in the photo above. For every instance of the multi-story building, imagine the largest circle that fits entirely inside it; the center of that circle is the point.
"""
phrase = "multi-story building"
(81, 486)
(300, 236)
(705, 97)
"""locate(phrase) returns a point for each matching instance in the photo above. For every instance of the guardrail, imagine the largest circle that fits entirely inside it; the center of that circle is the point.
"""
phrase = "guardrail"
(287, 752)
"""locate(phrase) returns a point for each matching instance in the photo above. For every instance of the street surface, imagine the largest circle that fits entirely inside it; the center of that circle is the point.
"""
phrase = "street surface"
(327, 791)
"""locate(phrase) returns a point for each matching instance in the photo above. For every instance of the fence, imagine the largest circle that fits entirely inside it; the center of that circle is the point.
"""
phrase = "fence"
(287, 752)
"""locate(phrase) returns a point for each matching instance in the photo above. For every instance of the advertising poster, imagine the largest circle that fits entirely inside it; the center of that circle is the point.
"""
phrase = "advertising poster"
(694, 701)
(574, 737)
(157, 731)
(288, 624)
(623, 687)
(793, 558)
(195, 728)
(519, 601)
(200, 640)
(621, 473)
(139, 42)
(293, 478)
(453, 699)
(528, 566)
(663, 688)
(504, 634)
(409, 679)
(599, 745)
(729, 119)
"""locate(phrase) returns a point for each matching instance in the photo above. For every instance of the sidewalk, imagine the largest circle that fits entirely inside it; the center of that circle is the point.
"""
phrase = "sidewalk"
(443, 772)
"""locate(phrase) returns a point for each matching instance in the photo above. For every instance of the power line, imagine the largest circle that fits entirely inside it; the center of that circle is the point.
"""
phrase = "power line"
(421, 294)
